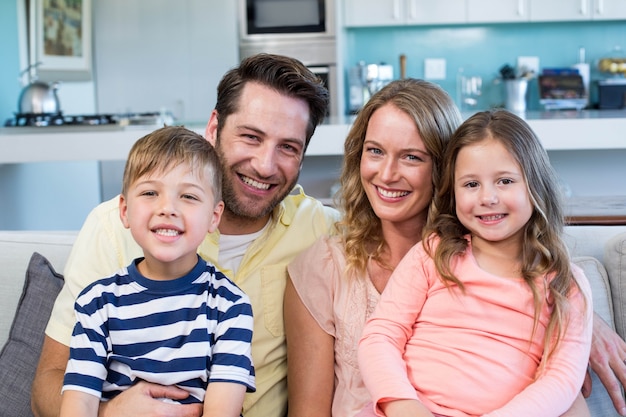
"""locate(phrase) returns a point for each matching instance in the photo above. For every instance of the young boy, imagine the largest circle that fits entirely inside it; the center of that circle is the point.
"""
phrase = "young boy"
(169, 317)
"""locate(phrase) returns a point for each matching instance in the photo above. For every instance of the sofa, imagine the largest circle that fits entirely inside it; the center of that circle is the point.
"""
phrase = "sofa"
(30, 278)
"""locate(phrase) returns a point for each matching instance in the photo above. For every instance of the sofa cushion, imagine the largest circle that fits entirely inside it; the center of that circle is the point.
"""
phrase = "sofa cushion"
(600, 287)
(20, 354)
(599, 402)
(615, 262)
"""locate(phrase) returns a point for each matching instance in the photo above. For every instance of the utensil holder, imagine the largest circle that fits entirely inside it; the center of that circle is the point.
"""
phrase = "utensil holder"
(515, 94)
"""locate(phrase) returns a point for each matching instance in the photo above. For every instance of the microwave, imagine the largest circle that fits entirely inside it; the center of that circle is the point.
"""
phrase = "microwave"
(286, 19)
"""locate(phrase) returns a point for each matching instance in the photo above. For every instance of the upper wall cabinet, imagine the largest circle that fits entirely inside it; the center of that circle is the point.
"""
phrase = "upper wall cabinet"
(497, 11)
(560, 10)
(608, 9)
(571, 10)
(367, 13)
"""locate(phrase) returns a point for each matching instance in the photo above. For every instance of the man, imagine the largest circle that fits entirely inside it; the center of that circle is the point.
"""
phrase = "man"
(267, 111)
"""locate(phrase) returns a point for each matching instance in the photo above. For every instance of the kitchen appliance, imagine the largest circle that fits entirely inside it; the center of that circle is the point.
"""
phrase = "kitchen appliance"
(286, 19)
(272, 26)
(57, 119)
(39, 98)
(562, 88)
(612, 93)
(318, 56)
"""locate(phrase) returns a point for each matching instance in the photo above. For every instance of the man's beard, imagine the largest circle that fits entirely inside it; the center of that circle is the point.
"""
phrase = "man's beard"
(240, 209)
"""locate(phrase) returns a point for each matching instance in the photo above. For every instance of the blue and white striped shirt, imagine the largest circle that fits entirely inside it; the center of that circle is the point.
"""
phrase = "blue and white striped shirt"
(187, 332)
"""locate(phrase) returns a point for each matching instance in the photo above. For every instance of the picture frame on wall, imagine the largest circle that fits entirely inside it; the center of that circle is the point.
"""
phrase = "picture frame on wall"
(60, 39)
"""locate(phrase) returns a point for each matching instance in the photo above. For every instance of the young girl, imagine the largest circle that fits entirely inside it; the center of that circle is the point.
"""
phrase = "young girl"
(487, 316)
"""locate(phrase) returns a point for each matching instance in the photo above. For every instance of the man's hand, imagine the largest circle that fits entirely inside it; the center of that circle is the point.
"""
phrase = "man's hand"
(143, 400)
(608, 353)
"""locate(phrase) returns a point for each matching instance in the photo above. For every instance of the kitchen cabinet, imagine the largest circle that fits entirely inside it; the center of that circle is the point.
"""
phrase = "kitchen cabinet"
(367, 13)
(497, 11)
(573, 10)
(608, 9)
(560, 10)
(438, 12)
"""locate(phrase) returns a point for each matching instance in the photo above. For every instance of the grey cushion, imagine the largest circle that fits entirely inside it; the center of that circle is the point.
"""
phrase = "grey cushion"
(20, 354)
(600, 287)
(599, 402)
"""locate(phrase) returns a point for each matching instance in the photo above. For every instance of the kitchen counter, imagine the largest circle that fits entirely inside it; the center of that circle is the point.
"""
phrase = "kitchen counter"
(558, 130)
(111, 143)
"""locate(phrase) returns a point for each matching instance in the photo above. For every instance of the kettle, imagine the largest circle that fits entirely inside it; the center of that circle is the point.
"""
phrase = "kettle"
(39, 97)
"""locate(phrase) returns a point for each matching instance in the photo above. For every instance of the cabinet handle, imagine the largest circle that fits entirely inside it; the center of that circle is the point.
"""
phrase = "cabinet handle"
(520, 7)
(600, 8)
(396, 9)
(412, 9)
(583, 7)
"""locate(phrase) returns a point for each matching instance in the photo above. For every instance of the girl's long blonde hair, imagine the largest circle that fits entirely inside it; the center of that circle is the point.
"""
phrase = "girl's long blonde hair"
(436, 117)
(544, 252)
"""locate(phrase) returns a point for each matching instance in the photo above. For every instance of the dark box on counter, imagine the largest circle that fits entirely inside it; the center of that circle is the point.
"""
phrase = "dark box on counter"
(612, 94)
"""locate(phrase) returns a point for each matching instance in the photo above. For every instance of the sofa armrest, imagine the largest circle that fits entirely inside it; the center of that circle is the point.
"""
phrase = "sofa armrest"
(16, 249)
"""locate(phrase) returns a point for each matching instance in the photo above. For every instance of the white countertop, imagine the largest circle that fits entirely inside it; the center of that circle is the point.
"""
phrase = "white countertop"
(558, 130)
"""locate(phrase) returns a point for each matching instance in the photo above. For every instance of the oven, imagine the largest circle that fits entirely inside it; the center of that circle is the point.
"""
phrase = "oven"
(270, 26)
(318, 56)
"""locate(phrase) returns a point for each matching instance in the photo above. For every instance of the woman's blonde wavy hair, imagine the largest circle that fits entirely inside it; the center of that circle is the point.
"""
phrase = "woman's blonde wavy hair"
(436, 117)
(544, 252)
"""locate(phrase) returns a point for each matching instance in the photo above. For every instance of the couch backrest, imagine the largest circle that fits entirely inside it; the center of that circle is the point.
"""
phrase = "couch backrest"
(590, 240)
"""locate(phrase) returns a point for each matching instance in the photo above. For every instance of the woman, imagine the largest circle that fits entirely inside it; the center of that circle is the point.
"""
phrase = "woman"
(392, 155)
(392, 159)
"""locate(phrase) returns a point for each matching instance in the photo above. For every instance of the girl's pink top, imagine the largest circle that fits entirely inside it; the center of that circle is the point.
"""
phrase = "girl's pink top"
(471, 354)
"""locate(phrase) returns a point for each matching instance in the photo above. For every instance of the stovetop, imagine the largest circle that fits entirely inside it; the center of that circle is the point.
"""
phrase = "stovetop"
(59, 119)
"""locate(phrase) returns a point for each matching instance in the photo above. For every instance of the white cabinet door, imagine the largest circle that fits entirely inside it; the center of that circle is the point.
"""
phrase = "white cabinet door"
(560, 10)
(358, 13)
(364, 13)
(572, 10)
(609, 9)
(429, 12)
(497, 11)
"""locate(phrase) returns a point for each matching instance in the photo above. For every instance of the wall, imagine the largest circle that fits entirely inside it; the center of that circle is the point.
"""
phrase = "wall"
(160, 48)
(41, 195)
(154, 54)
(483, 49)
(9, 57)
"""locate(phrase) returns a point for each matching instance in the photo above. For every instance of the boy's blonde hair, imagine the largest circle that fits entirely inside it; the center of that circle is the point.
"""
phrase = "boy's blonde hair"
(168, 147)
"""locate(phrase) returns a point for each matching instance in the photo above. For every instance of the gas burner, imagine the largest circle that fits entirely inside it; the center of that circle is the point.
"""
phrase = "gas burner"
(58, 119)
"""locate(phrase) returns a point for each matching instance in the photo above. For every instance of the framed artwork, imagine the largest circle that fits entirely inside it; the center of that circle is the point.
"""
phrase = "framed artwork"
(60, 39)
